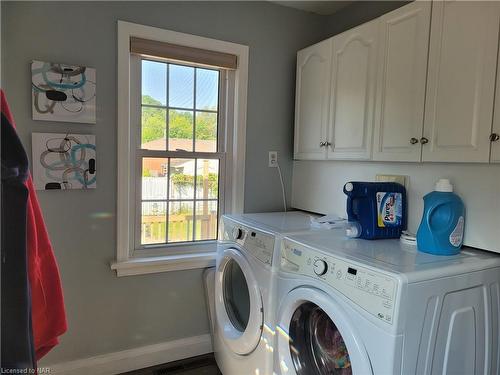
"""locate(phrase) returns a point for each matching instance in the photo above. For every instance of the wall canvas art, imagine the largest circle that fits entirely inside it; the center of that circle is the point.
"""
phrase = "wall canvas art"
(63, 161)
(63, 92)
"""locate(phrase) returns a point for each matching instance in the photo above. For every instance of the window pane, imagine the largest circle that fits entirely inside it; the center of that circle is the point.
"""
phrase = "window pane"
(207, 89)
(179, 196)
(181, 86)
(153, 128)
(154, 178)
(206, 220)
(153, 223)
(182, 178)
(206, 132)
(180, 130)
(154, 83)
(207, 179)
(180, 221)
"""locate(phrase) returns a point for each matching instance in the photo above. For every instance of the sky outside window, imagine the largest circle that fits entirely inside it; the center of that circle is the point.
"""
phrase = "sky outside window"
(154, 84)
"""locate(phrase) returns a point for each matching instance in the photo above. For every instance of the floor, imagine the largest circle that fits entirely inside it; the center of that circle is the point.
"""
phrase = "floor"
(202, 365)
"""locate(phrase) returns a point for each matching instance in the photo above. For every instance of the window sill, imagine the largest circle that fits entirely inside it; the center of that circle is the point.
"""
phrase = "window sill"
(141, 266)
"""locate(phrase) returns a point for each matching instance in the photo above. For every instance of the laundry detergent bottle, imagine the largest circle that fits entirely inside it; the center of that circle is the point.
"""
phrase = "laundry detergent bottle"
(375, 210)
(441, 230)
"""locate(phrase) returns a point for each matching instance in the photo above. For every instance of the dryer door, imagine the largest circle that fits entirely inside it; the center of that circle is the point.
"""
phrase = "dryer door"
(239, 309)
(316, 337)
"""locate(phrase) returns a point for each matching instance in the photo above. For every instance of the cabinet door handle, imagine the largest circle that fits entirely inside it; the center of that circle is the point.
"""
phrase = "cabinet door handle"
(322, 144)
(424, 140)
(413, 141)
(328, 143)
(494, 137)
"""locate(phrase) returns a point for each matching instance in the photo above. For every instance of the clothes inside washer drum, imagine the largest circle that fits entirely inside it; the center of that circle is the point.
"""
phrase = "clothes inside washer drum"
(327, 343)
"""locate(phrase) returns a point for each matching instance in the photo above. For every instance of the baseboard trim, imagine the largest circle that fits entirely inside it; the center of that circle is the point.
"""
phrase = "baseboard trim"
(137, 358)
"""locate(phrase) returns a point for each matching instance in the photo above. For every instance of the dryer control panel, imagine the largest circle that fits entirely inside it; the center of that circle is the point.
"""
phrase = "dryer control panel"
(373, 291)
(257, 243)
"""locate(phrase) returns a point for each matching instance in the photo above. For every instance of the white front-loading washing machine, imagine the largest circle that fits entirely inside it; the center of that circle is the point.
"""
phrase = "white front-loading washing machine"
(245, 289)
(351, 306)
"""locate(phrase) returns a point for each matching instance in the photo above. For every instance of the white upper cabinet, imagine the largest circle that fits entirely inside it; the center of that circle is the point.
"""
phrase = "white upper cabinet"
(354, 65)
(401, 77)
(312, 100)
(417, 84)
(461, 81)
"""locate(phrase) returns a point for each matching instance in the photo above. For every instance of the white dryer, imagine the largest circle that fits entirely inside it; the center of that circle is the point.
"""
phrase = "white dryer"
(245, 289)
(350, 306)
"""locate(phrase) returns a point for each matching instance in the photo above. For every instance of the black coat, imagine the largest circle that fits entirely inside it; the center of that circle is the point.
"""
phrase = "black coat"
(17, 334)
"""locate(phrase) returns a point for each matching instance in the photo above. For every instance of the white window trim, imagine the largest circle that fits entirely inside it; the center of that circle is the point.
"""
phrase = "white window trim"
(127, 262)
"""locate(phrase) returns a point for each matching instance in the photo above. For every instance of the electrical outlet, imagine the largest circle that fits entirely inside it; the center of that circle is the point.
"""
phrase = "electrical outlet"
(400, 179)
(273, 159)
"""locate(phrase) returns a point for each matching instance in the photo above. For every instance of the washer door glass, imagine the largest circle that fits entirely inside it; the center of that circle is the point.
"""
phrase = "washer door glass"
(316, 345)
(236, 295)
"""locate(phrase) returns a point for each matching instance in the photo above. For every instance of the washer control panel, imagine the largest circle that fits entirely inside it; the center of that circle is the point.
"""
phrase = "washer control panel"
(373, 291)
(257, 243)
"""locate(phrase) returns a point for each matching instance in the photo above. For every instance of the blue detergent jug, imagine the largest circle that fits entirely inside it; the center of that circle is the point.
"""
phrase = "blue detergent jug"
(441, 230)
(375, 209)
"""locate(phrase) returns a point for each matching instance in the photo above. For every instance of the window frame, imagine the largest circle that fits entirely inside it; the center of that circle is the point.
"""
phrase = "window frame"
(131, 260)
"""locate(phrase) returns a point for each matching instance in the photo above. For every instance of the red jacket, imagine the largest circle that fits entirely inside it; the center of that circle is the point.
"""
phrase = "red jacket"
(47, 303)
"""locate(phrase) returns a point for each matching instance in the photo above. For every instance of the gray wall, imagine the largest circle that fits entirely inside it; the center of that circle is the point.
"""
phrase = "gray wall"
(358, 13)
(108, 314)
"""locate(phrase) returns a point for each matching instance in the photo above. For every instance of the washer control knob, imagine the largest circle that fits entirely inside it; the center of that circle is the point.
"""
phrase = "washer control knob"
(320, 267)
(238, 233)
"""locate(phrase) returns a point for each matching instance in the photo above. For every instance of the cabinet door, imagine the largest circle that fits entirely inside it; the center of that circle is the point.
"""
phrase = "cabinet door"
(495, 132)
(402, 72)
(353, 92)
(311, 101)
(461, 81)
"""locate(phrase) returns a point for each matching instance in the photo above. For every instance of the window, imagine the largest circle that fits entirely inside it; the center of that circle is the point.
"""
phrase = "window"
(181, 127)
(179, 156)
